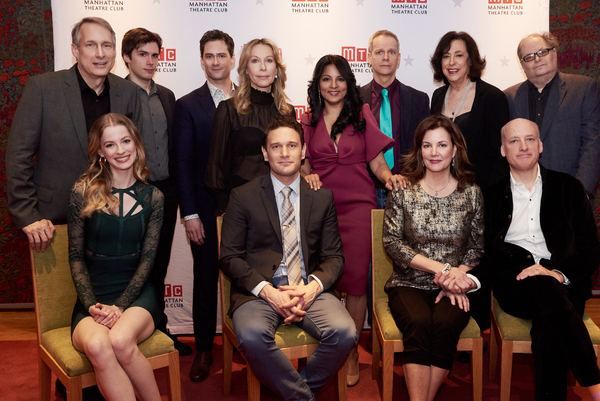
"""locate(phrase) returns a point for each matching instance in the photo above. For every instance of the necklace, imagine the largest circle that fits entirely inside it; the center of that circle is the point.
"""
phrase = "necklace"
(462, 99)
(437, 190)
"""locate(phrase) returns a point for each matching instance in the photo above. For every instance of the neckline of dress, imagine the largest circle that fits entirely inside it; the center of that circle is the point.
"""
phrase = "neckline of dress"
(124, 189)
(260, 97)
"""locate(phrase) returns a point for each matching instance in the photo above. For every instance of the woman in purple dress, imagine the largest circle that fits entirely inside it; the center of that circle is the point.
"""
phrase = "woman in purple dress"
(343, 140)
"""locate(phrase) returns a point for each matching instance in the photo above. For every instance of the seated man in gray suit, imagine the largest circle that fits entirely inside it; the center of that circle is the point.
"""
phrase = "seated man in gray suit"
(281, 248)
(541, 249)
(565, 107)
(48, 141)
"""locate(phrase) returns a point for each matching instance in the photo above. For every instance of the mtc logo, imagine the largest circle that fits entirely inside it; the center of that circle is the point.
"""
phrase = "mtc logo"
(299, 111)
(505, 1)
(167, 55)
(173, 291)
(351, 53)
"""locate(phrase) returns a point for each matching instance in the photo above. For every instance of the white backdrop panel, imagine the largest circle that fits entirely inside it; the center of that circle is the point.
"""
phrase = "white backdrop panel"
(304, 30)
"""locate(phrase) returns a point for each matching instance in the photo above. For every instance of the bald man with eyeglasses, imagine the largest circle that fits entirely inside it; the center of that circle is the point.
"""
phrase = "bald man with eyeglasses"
(565, 107)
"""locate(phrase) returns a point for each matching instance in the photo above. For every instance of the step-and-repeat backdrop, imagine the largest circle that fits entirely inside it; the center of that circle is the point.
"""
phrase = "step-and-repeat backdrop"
(304, 30)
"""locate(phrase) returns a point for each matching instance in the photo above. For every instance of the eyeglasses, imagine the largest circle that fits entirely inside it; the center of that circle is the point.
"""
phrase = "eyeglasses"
(540, 53)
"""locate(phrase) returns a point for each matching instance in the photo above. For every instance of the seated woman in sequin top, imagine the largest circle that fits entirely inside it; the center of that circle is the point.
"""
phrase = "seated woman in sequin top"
(434, 225)
(115, 219)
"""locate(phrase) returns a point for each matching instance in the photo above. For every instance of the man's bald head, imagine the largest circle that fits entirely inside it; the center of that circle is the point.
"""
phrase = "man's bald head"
(521, 145)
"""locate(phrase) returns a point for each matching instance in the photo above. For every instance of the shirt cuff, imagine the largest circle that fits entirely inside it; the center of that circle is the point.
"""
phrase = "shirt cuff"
(191, 217)
(567, 281)
(476, 281)
(313, 277)
(256, 290)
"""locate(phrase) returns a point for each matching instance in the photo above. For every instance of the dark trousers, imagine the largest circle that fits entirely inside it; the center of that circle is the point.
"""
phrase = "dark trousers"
(163, 252)
(430, 331)
(559, 337)
(206, 275)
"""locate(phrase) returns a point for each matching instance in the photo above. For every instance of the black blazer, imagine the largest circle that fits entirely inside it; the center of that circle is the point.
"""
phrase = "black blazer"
(167, 99)
(569, 229)
(482, 130)
(194, 115)
(251, 244)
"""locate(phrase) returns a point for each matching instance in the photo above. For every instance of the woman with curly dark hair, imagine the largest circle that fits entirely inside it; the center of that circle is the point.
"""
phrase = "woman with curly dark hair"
(342, 139)
(479, 109)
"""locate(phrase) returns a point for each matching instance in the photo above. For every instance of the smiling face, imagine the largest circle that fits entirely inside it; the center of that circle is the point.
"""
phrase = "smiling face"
(118, 147)
(385, 58)
(143, 61)
(541, 70)
(95, 53)
(284, 153)
(216, 61)
(521, 145)
(262, 67)
(437, 150)
(332, 85)
(456, 62)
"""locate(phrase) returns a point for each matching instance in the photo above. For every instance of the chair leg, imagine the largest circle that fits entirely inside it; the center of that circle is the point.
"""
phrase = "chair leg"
(174, 381)
(341, 383)
(506, 356)
(375, 352)
(227, 364)
(253, 386)
(493, 354)
(388, 371)
(74, 389)
(477, 369)
(45, 380)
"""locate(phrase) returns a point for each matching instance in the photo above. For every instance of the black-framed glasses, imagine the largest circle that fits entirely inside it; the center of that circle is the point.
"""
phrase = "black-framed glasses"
(540, 53)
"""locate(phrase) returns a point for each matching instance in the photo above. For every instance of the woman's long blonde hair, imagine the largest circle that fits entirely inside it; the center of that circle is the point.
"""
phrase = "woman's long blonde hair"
(97, 180)
(241, 97)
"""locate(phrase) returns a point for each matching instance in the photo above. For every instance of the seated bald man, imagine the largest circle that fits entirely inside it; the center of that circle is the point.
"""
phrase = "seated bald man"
(541, 249)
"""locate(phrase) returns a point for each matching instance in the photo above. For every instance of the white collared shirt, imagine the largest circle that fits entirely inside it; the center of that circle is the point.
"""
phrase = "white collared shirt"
(525, 229)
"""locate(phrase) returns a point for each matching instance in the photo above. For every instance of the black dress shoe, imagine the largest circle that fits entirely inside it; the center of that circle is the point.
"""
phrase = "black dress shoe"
(183, 348)
(201, 366)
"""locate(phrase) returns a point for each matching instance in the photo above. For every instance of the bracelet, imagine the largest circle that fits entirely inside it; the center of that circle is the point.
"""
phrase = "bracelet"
(446, 268)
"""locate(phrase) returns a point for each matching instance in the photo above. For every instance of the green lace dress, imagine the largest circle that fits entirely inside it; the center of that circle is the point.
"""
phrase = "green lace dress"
(111, 256)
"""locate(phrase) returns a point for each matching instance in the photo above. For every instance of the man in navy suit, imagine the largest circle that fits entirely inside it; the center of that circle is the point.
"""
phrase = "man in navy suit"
(140, 49)
(194, 114)
(565, 107)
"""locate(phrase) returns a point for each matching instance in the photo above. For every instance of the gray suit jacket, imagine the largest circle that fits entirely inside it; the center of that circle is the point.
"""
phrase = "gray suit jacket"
(48, 142)
(571, 128)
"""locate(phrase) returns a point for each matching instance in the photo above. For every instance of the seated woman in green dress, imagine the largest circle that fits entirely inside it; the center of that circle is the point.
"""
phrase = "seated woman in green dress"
(114, 225)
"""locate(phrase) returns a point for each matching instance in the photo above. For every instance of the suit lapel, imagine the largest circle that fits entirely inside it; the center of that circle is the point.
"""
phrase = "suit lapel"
(268, 197)
(557, 94)
(522, 101)
(306, 199)
(207, 102)
(73, 96)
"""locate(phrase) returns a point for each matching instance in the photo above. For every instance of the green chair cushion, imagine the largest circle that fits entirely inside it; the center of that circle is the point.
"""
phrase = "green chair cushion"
(516, 329)
(58, 343)
(287, 335)
(391, 332)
